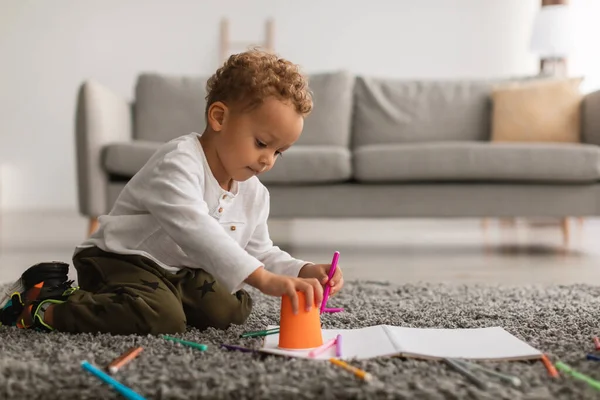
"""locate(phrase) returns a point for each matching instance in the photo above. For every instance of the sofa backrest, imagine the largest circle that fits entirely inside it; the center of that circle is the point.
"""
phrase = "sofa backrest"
(170, 106)
(397, 111)
(330, 121)
(590, 118)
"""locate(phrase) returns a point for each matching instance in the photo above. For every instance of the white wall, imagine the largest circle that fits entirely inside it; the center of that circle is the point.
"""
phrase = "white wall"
(47, 48)
(584, 60)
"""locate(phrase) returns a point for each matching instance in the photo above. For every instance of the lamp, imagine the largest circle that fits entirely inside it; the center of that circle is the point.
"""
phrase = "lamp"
(552, 37)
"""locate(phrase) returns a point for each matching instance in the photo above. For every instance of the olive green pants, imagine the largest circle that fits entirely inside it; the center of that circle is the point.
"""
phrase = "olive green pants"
(130, 294)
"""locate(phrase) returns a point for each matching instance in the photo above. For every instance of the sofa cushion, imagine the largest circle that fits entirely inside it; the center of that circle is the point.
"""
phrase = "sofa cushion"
(310, 164)
(463, 161)
(167, 106)
(395, 111)
(126, 159)
(300, 164)
(330, 121)
(537, 111)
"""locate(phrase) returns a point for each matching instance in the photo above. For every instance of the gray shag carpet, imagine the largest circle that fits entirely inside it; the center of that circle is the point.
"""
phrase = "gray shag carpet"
(559, 320)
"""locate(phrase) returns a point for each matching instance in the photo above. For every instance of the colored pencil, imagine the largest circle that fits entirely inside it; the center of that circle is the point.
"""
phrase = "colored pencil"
(197, 346)
(356, 371)
(237, 348)
(596, 342)
(592, 357)
(338, 346)
(334, 262)
(577, 375)
(126, 392)
(509, 378)
(551, 370)
(123, 359)
(332, 310)
(468, 374)
(322, 348)
(260, 333)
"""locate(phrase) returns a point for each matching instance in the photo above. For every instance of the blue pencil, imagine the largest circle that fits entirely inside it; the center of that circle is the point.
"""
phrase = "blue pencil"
(592, 357)
(118, 386)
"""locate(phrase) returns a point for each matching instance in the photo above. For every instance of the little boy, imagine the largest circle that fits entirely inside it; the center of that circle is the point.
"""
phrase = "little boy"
(190, 228)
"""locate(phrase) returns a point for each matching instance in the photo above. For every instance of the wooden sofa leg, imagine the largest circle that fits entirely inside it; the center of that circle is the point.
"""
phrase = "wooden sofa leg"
(93, 225)
(565, 231)
(485, 223)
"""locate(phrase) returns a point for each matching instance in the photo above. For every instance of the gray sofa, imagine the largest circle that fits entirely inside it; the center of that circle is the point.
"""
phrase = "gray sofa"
(371, 148)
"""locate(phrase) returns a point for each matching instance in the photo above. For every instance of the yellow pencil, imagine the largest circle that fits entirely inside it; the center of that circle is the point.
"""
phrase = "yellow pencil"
(356, 371)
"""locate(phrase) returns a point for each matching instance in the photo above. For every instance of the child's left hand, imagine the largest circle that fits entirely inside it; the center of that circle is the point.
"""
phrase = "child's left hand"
(321, 273)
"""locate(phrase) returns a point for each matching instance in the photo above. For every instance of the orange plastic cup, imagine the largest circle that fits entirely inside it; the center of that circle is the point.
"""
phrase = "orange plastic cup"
(300, 331)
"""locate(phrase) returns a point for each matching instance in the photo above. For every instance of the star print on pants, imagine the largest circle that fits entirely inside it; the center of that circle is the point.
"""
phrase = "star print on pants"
(206, 287)
(152, 285)
(118, 295)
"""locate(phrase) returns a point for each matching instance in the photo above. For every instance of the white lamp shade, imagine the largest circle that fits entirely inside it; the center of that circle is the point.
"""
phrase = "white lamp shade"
(552, 35)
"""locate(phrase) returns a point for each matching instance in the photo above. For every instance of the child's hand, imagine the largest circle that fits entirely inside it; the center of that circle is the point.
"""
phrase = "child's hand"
(321, 272)
(279, 285)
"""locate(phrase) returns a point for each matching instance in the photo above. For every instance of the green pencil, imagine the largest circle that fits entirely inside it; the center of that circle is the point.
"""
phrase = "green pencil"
(197, 346)
(509, 378)
(590, 381)
(468, 374)
(260, 333)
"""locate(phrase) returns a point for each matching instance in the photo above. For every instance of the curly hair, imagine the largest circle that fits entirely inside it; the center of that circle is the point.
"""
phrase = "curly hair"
(251, 77)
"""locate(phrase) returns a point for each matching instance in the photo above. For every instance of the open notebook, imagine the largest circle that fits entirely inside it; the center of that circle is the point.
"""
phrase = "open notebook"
(384, 340)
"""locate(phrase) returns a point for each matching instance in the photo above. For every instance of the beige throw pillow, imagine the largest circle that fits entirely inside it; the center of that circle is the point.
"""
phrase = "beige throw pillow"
(537, 111)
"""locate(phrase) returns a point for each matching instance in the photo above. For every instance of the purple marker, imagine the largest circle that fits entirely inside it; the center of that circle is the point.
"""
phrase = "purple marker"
(238, 348)
(334, 262)
(338, 346)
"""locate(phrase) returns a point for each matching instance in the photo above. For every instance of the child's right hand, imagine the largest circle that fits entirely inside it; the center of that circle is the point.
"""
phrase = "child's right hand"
(279, 285)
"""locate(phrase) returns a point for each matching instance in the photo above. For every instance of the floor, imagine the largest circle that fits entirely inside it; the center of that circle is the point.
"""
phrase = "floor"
(459, 251)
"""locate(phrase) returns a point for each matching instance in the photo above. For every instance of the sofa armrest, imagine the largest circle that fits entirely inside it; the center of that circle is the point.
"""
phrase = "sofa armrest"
(102, 117)
(590, 118)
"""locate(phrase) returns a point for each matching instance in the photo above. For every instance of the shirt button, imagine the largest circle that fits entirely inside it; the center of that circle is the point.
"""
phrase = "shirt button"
(232, 227)
(224, 197)
(220, 209)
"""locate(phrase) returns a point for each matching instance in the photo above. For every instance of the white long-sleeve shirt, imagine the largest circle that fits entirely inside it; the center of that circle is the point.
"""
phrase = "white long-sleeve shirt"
(174, 212)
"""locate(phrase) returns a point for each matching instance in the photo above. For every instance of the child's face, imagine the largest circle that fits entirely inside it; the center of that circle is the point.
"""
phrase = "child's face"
(249, 142)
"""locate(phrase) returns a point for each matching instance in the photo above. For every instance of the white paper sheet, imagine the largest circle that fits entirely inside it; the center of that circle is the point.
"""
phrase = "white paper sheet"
(475, 344)
(383, 340)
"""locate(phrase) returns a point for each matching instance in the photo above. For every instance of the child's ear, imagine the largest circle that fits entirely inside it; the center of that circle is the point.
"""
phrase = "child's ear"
(216, 115)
